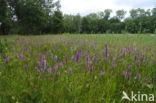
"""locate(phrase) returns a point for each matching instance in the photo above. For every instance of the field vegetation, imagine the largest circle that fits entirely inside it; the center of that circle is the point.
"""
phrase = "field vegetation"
(76, 68)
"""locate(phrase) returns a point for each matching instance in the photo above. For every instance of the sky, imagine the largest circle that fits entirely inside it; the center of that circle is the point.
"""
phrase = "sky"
(84, 7)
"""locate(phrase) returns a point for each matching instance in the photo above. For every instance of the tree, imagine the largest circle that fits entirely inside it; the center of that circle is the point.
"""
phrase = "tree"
(120, 14)
(68, 23)
(105, 15)
(4, 17)
(85, 25)
(33, 16)
(141, 12)
(154, 11)
(58, 22)
(148, 12)
(134, 13)
(103, 26)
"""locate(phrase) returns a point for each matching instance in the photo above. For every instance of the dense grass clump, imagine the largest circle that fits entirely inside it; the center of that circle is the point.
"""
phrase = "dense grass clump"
(77, 68)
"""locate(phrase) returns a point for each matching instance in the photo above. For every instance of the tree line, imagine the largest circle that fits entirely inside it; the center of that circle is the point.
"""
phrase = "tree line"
(138, 21)
(45, 16)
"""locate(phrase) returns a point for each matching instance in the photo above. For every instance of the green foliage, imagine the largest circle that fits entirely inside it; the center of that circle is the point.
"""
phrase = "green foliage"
(4, 17)
(120, 14)
(140, 21)
(58, 26)
(28, 16)
(44, 16)
(31, 16)
(3, 46)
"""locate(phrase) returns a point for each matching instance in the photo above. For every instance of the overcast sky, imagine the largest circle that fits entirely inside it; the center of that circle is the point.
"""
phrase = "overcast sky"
(85, 7)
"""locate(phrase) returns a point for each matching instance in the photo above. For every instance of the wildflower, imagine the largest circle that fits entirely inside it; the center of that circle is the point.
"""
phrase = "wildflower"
(44, 64)
(95, 58)
(136, 56)
(138, 76)
(39, 63)
(25, 66)
(102, 73)
(49, 70)
(145, 80)
(43, 57)
(54, 69)
(60, 65)
(67, 57)
(55, 58)
(143, 58)
(130, 66)
(134, 49)
(113, 64)
(21, 56)
(6, 59)
(78, 55)
(138, 63)
(127, 75)
(85, 70)
(124, 50)
(91, 69)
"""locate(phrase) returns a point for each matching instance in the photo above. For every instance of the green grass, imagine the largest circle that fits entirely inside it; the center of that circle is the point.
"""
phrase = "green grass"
(20, 81)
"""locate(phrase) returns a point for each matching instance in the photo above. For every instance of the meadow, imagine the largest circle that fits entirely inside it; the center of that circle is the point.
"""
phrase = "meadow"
(76, 68)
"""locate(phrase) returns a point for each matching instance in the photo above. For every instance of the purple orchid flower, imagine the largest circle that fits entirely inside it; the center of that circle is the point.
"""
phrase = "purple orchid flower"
(78, 55)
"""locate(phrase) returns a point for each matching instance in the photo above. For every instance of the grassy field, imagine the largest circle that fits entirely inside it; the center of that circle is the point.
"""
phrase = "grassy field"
(76, 68)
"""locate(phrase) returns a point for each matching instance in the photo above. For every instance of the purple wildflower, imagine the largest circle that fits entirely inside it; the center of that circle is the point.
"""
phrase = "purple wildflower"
(54, 69)
(39, 63)
(60, 65)
(38, 70)
(136, 56)
(134, 49)
(130, 66)
(44, 64)
(145, 80)
(55, 58)
(91, 69)
(143, 58)
(138, 62)
(127, 75)
(95, 58)
(138, 76)
(43, 57)
(85, 70)
(113, 64)
(124, 50)
(21, 56)
(102, 73)
(67, 57)
(78, 55)
(6, 59)
(25, 66)
(49, 70)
